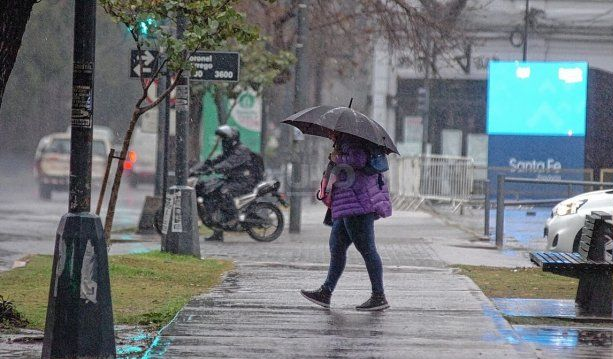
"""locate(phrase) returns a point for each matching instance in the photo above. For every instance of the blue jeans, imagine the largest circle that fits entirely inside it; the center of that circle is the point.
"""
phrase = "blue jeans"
(359, 230)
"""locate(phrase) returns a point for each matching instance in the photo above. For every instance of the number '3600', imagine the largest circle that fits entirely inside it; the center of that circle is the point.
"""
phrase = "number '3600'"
(224, 74)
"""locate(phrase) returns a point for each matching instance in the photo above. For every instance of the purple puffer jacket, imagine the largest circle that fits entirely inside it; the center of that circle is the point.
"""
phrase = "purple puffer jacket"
(355, 192)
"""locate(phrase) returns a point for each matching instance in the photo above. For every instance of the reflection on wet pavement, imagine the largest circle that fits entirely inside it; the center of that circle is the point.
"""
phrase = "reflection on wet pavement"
(525, 230)
(521, 307)
(556, 341)
(565, 342)
(550, 308)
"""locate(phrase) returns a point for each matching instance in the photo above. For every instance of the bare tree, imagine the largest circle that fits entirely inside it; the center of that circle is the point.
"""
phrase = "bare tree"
(14, 15)
(425, 31)
(427, 34)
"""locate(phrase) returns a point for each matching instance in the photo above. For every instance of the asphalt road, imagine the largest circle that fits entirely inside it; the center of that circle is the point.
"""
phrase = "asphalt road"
(28, 224)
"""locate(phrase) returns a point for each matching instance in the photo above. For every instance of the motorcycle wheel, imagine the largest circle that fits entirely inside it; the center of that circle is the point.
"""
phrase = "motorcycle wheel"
(264, 222)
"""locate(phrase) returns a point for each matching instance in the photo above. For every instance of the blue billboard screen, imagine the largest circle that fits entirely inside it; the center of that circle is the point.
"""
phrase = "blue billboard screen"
(537, 98)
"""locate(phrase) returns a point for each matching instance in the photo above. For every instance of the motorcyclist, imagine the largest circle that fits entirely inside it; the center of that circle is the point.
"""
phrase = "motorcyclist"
(241, 169)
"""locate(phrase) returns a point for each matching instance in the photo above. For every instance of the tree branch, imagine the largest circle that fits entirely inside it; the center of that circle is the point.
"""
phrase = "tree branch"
(164, 94)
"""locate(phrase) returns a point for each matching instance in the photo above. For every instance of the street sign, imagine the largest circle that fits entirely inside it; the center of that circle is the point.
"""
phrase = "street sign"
(215, 66)
(149, 63)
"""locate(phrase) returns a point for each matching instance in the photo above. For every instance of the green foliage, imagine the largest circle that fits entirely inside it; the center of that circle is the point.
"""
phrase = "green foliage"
(9, 316)
(207, 24)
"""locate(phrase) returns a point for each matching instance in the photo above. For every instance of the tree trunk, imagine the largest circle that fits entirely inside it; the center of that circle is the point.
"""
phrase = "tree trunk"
(138, 111)
(14, 15)
(222, 109)
(195, 124)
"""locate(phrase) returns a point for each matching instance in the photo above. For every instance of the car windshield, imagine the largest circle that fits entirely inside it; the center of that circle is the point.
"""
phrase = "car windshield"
(63, 146)
(59, 146)
(99, 148)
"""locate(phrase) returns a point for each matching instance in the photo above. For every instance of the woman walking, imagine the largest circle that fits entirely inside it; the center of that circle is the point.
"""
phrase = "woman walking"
(358, 199)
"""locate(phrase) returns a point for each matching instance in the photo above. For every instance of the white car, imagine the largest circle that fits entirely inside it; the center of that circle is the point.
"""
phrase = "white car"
(52, 162)
(563, 227)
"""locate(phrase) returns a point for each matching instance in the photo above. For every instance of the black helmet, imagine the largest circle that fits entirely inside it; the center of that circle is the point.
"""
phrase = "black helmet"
(230, 137)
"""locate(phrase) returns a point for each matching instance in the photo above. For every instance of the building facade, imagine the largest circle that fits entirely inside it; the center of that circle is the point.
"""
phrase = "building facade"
(558, 30)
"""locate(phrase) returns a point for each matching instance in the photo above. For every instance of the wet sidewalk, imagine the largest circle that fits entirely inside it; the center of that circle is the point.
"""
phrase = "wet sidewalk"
(258, 311)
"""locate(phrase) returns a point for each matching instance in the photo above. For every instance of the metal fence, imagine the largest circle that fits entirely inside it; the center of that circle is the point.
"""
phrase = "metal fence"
(501, 203)
(413, 180)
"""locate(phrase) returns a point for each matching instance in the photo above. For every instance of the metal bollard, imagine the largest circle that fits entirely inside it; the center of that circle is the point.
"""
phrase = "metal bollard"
(486, 206)
(500, 212)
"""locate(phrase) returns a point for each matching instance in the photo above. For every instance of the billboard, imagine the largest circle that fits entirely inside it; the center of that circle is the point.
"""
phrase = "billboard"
(245, 116)
(536, 123)
(537, 98)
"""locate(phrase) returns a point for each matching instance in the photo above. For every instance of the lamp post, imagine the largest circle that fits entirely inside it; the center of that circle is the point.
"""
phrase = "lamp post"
(300, 100)
(79, 321)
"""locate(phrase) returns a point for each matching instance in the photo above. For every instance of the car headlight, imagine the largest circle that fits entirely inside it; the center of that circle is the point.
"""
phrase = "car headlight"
(566, 208)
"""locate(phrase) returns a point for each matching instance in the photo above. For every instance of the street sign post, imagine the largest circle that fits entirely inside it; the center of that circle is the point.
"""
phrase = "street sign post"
(147, 67)
(183, 238)
(215, 66)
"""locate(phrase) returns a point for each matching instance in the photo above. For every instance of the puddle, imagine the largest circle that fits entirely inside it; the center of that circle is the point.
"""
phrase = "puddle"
(563, 342)
(543, 308)
(520, 307)
(132, 342)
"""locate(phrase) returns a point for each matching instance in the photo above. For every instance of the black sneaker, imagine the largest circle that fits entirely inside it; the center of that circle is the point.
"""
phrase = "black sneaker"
(217, 236)
(374, 303)
(320, 296)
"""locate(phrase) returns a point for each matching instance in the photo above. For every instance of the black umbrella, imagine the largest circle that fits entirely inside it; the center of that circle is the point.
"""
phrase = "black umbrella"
(323, 121)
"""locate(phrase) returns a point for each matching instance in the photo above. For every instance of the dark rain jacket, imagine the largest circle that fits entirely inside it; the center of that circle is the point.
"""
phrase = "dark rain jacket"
(242, 169)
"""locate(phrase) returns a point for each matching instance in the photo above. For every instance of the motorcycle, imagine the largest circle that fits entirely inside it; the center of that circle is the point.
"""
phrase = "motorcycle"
(258, 212)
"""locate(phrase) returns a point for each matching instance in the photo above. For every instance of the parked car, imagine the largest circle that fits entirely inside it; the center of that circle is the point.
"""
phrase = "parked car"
(563, 227)
(52, 162)
(140, 162)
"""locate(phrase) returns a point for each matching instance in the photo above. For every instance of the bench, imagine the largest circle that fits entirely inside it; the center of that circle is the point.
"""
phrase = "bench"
(590, 265)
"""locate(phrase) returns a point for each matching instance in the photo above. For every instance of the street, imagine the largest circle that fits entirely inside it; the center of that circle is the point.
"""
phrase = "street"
(28, 224)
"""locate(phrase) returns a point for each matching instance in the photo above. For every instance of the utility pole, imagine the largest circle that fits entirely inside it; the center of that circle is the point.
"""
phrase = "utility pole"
(79, 321)
(300, 102)
(161, 134)
(526, 16)
(182, 235)
(424, 100)
(166, 150)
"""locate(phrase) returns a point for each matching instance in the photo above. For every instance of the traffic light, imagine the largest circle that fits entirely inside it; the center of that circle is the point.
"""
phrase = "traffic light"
(423, 100)
(144, 27)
